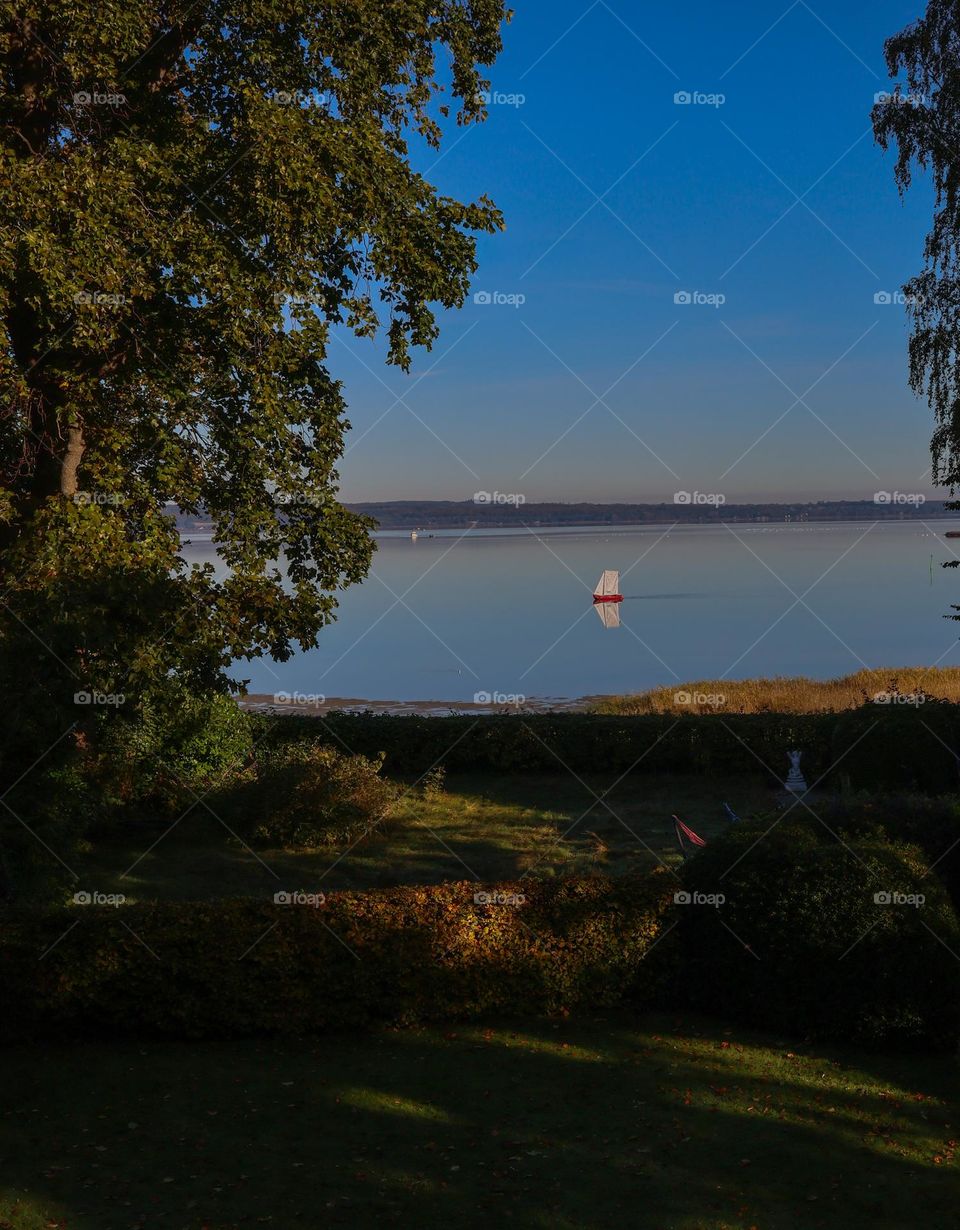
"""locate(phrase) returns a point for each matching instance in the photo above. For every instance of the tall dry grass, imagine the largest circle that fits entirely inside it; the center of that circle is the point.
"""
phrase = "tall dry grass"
(788, 695)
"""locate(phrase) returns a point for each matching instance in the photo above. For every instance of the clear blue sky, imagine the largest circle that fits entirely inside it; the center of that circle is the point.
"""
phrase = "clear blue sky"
(697, 198)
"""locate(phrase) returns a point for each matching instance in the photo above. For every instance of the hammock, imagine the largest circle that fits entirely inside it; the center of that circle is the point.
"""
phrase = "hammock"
(683, 832)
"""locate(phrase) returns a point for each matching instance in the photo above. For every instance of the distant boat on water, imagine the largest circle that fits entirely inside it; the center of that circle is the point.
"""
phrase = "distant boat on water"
(952, 534)
(606, 596)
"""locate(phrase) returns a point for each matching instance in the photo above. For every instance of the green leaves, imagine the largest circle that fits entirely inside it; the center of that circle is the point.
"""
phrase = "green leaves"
(192, 197)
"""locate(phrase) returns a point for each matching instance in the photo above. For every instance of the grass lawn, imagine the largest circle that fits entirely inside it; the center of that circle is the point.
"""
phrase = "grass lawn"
(481, 827)
(665, 1123)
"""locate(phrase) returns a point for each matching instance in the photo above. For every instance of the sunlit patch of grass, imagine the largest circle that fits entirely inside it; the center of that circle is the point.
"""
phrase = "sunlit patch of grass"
(480, 827)
(788, 695)
(677, 1123)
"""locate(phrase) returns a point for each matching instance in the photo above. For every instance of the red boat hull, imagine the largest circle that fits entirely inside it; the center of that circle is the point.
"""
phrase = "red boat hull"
(608, 597)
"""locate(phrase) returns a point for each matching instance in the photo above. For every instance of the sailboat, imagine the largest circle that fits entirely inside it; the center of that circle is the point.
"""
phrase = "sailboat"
(606, 597)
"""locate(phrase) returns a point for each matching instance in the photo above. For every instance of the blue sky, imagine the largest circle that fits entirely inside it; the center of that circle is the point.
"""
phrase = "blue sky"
(599, 386)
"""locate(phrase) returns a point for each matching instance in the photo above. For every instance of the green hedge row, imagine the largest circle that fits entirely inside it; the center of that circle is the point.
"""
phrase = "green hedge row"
(901, 747)
(245, 967)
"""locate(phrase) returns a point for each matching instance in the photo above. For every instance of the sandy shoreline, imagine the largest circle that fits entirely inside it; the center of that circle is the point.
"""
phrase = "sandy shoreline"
(308, 706)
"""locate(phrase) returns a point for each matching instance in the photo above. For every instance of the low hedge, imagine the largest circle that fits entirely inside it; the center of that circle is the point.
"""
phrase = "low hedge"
(582, 742)
(800, 940)
(890, 747)
(245, 967)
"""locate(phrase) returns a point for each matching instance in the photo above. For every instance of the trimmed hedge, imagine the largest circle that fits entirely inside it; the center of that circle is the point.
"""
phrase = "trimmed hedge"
(583, 742)
(895, 746)
(800, 943)
(400, 956)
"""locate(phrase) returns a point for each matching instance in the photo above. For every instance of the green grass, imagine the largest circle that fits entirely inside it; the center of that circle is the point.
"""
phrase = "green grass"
(672, 1125)
(481, 827)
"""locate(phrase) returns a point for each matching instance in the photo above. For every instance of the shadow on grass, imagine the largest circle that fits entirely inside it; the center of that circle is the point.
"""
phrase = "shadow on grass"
(483, 827)
(589, 1124)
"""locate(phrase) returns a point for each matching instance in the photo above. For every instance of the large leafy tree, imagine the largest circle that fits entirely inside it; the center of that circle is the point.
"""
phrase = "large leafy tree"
(921, 118)
(193, 193)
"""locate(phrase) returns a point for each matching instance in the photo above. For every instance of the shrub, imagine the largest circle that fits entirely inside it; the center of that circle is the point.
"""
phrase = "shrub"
(583, 742)
(800, 943)
(897, 746)
(307, 797)
(933, 824)
(245, 967)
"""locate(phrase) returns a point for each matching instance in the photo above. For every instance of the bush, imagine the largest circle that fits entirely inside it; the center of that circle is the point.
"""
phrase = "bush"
(897, 746)
(404, 955)
(801, 944)
(583, 742)
(933, 824)
(307, 797)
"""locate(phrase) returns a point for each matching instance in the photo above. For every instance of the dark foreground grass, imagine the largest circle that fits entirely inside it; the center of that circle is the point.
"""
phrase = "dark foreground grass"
(481, 827)
(667, 1124)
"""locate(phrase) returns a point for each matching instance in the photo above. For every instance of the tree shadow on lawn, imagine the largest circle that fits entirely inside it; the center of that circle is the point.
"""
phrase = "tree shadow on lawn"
(484, 827)
(585, 1124)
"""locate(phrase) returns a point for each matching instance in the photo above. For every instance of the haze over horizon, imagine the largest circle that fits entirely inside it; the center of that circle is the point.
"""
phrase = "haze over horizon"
(599, 386)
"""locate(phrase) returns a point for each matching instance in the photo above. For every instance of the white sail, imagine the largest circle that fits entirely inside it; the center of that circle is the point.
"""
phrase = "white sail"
(608, 584)
(609, 613)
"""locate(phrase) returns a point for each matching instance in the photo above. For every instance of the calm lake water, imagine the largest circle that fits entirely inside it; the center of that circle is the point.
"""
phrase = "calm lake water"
(510, 612)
